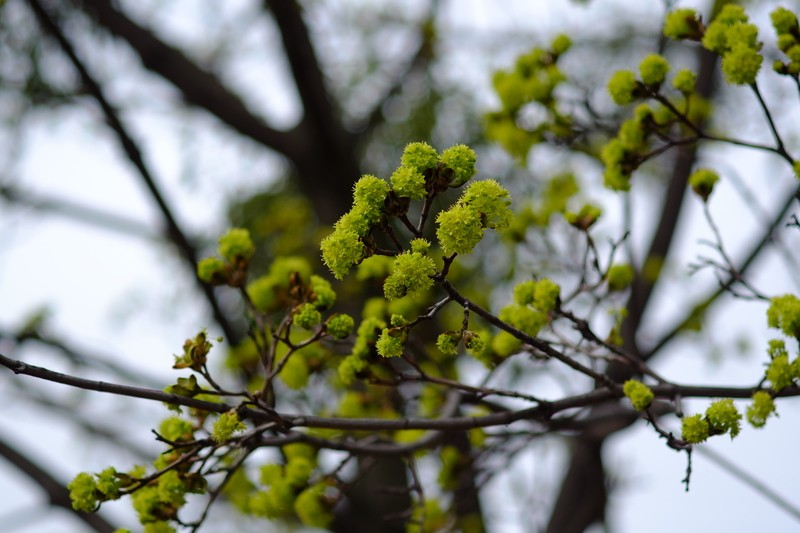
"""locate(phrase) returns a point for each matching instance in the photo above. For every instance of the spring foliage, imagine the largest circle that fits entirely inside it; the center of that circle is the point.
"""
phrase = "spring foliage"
(410, 326)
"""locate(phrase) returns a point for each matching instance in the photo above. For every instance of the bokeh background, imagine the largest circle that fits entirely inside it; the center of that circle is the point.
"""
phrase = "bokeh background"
(91, 285)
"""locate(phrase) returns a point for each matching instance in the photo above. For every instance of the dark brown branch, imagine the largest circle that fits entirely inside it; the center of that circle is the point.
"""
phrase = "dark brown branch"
(197, 86)
(319, 110)
(542, 412)
(57, 494)
(328, 164)
(172, 231)
(325, 159)
(417, 61)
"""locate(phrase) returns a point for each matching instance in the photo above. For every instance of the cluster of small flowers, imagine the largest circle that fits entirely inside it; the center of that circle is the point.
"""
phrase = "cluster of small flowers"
(484, 204)
(357, 361)
(721, 417)
(236, 249)
(786, 26)
(730, 34)
(288, 491)
(783, 314)
(423, 172)
(639, 394)
(623, 154)
(532, 81)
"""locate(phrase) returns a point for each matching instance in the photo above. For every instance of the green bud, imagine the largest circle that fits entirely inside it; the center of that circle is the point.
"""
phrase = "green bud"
(561, 44)
(391, 342)
(784, 314)
(212, 270)
(723, 417)
(741, 65)
(585, 217)
(82, 491)
(619, 277)
(459, 230)
(784, 21)
(226, 425)
(653, 69)
(448, 342)
(306, 316)
(694, 429)
(683, 24)
(419, 156)
(339, 325)
(408, 183)
(341, 250)
(762, 407)
(461, 159)
(640, 395)
(236, 245)
(684, 81)
(411, 273)
(622, 87)
(702, 182)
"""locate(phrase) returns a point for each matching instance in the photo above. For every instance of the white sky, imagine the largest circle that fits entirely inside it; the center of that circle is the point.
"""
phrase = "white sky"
(126, 298)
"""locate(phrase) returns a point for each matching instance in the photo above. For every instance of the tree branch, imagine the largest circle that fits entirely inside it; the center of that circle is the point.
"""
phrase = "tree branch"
(325, 159)
(642, 288)
(750, 258)
(197, 86)
(82, 213)
(173, 231)
(540, 413)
